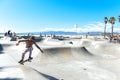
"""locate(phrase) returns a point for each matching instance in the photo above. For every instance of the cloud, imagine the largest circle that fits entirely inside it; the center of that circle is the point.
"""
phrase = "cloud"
(93, 27)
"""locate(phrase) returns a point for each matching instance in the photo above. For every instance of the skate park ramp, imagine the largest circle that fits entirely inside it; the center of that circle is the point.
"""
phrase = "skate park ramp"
(63, 54)
(54, 62)
(105, 50)
(67, 63)
(86, 62)
(54, 58)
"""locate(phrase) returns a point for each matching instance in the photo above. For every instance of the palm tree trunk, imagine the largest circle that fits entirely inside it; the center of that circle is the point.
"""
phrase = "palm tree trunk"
(112, 30)
(105, 31)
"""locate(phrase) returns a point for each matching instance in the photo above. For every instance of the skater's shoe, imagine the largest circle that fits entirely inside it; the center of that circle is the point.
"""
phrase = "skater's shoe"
(20, 61)
(30, 58)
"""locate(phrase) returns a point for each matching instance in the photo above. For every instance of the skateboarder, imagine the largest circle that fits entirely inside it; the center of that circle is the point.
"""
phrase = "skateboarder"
(29, 42)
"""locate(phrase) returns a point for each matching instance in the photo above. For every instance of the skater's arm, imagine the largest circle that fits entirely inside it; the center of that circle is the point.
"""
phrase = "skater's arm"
(20, 41)
(38, 47)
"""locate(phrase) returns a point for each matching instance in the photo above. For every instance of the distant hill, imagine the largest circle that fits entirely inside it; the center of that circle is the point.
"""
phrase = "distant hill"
(59, 33)
(65, 33)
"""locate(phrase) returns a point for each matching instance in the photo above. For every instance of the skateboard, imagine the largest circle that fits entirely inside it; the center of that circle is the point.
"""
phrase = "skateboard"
(27, 60)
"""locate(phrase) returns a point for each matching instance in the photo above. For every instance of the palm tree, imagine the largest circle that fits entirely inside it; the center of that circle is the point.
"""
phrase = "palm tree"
(119, 18)
(112, 21)
(105, 21)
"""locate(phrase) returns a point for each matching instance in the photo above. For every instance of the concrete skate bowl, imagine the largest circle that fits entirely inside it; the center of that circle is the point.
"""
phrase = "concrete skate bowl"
(50, 41)
(63, 54)
(59, 63)
(106, 50)
(65, 63)
(85, 42)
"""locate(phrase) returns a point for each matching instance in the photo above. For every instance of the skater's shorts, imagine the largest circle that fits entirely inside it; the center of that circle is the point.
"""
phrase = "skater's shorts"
(29, 48)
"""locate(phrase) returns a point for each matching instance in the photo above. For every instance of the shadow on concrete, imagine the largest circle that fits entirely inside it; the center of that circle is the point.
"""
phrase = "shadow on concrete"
(1, 48)
(1, 68)
(4, 67)
(47, 76)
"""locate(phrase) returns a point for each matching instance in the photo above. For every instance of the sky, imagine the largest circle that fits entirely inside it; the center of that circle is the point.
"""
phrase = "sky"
(58, 15)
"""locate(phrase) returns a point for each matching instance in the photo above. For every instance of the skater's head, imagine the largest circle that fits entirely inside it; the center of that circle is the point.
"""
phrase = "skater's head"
(31, 37)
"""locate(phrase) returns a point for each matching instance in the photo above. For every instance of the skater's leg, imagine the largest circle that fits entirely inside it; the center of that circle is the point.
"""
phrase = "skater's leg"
(30, 52)
(23, 55)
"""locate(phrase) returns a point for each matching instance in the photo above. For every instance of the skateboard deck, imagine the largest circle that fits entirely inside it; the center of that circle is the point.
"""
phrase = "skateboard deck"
(27, 60)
